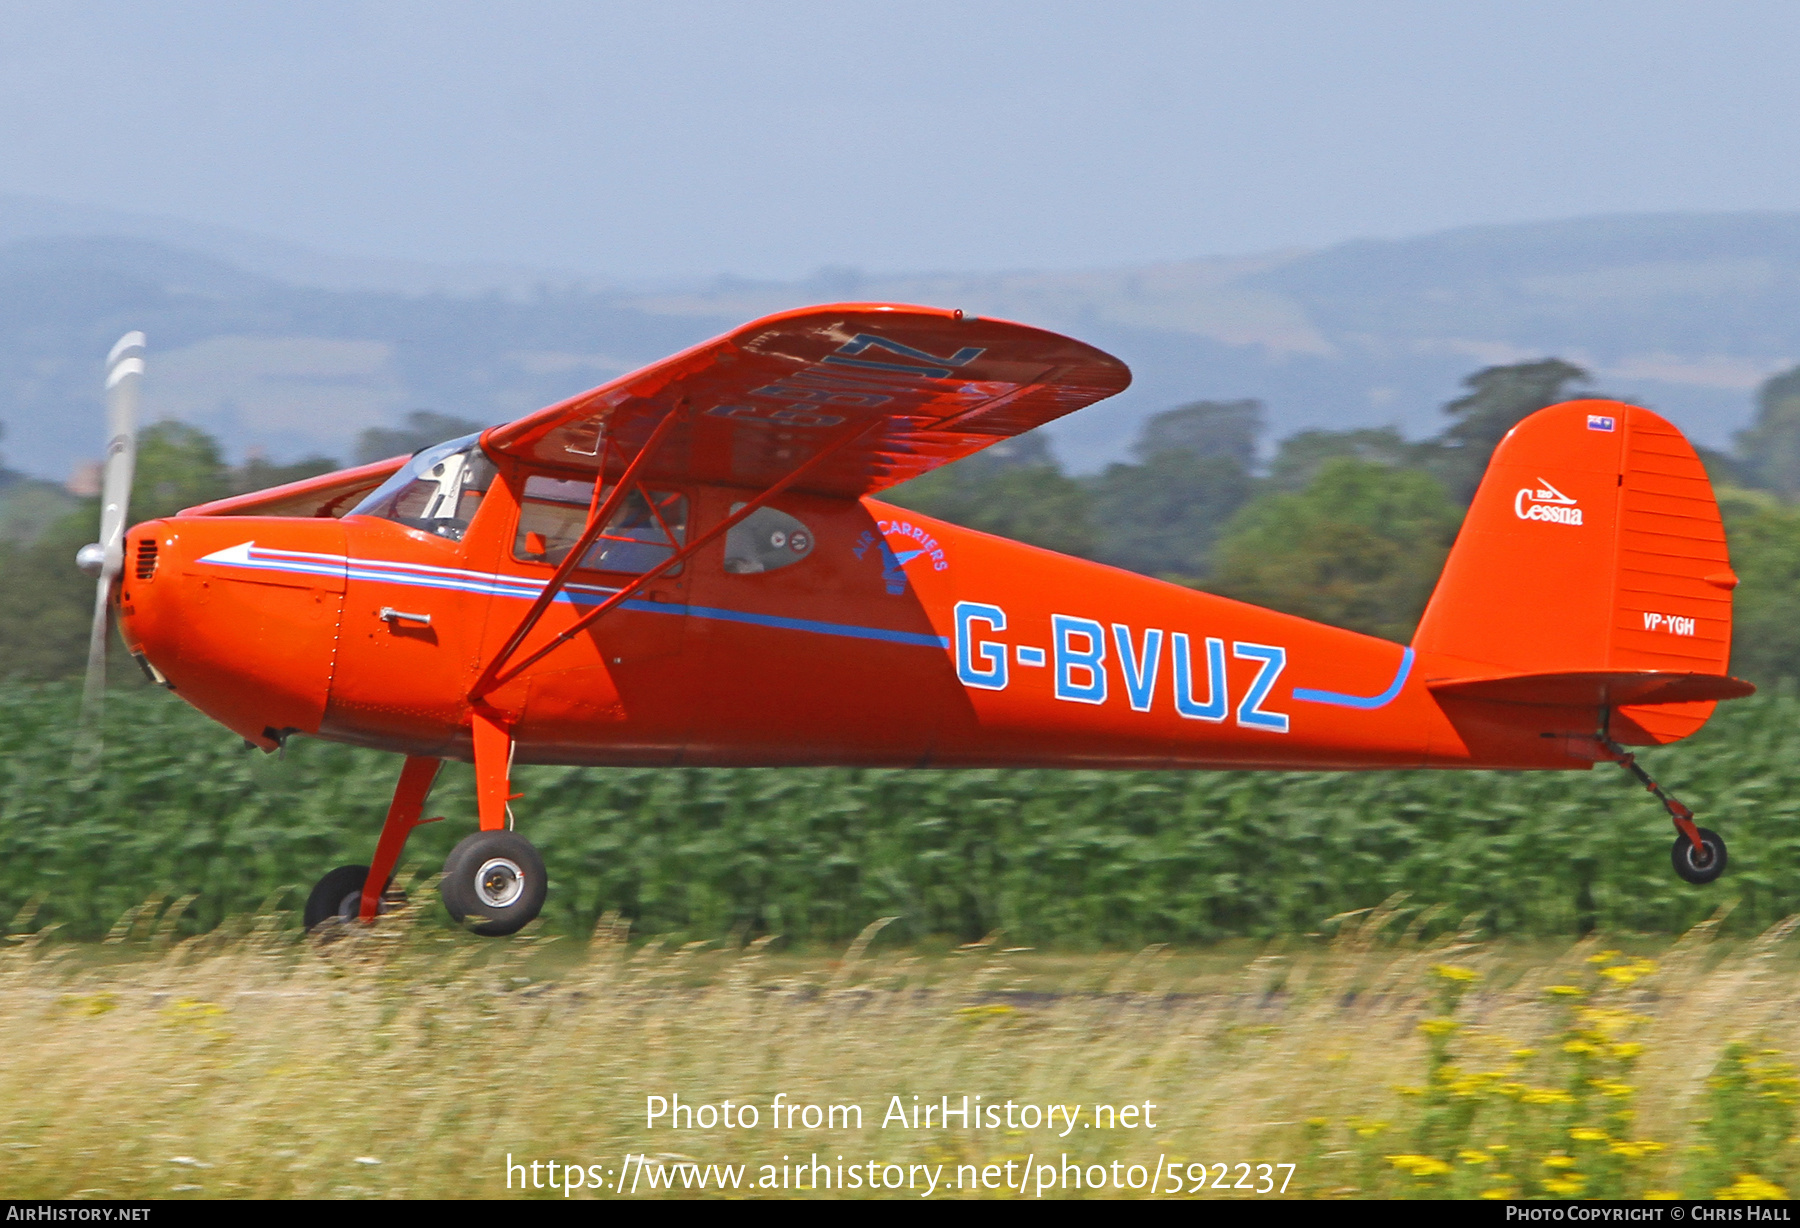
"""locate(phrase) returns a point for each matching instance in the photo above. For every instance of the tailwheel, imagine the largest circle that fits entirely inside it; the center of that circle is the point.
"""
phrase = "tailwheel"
(1703, 864)
(339, 894)
(494, 882)
(1699, 853)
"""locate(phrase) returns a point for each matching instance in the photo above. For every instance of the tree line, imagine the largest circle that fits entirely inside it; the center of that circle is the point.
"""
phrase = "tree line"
(1347, 527)
(1352, 527)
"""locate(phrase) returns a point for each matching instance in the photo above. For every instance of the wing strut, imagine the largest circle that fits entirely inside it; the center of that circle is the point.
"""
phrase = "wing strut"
(598, 517)
(493, 677)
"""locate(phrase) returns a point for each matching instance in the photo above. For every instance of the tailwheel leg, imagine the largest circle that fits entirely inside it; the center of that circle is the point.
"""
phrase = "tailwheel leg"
(1699, 852)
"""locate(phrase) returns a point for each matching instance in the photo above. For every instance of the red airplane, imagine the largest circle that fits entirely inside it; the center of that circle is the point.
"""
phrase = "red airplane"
(686, 566)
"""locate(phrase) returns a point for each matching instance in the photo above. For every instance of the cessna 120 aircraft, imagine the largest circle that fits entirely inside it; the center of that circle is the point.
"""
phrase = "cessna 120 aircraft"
(687, 566)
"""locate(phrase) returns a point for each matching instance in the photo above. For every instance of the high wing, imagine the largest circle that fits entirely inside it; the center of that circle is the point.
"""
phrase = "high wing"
(329, 494)
(914, 388)
(917, 387)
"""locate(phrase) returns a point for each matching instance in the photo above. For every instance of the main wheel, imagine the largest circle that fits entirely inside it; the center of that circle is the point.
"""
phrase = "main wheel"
(495, 881)
(1697, 865)
(339, 894)
(328, 895)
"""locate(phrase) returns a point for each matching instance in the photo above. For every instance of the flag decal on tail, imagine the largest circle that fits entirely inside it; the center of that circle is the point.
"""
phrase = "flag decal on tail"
(1601, 422)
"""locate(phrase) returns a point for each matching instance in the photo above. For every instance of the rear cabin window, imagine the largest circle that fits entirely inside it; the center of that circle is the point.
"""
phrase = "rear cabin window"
(642, 533)
(765, 540)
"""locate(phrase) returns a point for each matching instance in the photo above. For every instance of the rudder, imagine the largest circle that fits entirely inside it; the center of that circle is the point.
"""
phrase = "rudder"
(1593, 548)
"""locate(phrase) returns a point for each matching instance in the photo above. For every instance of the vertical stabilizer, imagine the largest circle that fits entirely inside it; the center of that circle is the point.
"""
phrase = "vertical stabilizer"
(1593, 547)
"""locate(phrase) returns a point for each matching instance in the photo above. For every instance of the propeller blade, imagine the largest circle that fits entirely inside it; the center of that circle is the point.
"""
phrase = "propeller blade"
(124, 368)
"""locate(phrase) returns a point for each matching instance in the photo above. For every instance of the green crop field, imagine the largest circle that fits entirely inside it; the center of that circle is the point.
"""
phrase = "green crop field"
(1077, 860)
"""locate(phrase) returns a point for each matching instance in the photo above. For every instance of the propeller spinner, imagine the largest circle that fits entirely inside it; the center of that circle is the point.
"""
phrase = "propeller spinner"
(105, 559)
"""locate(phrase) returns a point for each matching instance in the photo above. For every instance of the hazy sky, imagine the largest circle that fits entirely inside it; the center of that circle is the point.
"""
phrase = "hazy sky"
(654, 139)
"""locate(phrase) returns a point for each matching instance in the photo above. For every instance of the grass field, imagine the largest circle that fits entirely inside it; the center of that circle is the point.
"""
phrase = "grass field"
(413, 1062)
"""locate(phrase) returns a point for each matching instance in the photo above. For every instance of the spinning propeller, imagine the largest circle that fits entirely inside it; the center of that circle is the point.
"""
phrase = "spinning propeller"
(105, 559)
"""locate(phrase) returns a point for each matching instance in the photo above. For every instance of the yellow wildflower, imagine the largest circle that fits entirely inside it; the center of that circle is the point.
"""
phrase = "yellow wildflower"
(1603, 957)
(1500, 1193)
(1474, 1157)
(1440, 1027)
(1627, 1049)
(1566, 1186)
(1558, 1161)
(1587, 1134)
(1547, 1095)
(1605, 1024)
(1469, 1085)
(1452, 972)
(1634, 1150)
(1419, 1166)
(1751, 1188)
(1661, 1195)
(1566, 991)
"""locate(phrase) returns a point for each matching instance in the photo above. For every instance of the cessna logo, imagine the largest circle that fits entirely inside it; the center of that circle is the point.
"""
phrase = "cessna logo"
(1545, 503)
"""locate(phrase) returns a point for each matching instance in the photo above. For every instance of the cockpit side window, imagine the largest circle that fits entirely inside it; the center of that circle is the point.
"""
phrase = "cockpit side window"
(765, 540)
(641, 534)
(438, 490)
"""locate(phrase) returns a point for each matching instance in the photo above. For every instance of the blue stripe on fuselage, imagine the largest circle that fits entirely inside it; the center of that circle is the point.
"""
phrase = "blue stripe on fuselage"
(1365, 702)
(384, 572)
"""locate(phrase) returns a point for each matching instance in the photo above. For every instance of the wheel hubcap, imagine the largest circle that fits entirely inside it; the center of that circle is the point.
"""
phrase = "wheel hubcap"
(499, 882)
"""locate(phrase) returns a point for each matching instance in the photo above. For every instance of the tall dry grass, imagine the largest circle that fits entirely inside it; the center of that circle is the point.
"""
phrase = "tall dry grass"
(407, 1062)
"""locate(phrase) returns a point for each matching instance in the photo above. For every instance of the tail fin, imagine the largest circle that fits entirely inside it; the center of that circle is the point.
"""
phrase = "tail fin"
(1591, 569)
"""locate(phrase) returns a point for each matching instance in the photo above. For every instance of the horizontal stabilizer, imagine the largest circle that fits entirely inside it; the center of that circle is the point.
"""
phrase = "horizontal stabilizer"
(1596, 688)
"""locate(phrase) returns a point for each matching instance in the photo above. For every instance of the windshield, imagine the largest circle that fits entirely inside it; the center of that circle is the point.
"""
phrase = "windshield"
(438, 490)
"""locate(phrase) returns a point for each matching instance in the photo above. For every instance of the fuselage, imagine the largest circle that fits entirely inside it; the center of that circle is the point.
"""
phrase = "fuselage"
(846, 632)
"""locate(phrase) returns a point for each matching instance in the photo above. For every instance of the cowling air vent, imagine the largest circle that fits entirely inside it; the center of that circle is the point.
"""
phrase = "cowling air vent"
(146, 558)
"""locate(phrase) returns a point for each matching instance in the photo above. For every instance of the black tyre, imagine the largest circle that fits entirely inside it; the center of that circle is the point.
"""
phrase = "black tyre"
(328, 895)
(494, 882)
(1694, 865)
(339, 894)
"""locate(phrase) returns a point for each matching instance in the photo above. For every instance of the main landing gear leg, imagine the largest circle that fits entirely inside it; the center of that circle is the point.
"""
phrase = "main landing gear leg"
(403, 815)
(493, 769)
(494, 880)
(355, 892)
(1699, 853)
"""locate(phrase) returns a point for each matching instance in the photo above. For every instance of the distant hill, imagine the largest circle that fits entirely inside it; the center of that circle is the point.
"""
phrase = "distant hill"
(274, 347)
(283, 368)
(1685, 313)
